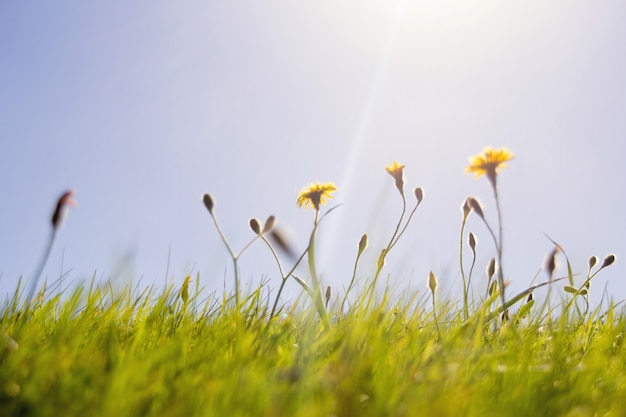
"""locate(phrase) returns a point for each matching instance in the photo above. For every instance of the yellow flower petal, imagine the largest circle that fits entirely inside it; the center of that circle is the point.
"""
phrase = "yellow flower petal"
(396, 170)
(488, 163)
(315, 194)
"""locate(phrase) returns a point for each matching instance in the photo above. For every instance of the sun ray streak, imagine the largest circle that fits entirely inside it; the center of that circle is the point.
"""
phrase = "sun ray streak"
(359, 140)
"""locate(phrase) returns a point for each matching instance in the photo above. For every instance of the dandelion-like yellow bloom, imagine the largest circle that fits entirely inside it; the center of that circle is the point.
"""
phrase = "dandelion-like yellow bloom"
(489, 162)
(316, 194)
(396, 170)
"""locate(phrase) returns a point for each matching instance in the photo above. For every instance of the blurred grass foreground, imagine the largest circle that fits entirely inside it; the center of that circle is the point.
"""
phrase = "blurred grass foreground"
(355, 351)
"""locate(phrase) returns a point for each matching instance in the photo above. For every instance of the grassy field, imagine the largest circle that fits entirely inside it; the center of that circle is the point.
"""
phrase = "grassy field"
(97, 351)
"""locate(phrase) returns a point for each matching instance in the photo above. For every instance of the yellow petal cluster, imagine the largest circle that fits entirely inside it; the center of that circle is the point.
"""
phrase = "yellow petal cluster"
(396, 170)
(489, 161)
(316, 194)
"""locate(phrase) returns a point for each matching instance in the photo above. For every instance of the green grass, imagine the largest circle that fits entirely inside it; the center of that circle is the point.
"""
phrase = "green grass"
(97, 353)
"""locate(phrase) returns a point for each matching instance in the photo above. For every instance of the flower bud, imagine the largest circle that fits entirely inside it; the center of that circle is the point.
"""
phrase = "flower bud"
(419, 194)
(328, 294)
(491, 268)
(476, 206)
(208, 202)
(269, 224)
(472, 242)
(255, 226)
(432, 281)
(362, 244)
(608, 261)
(66, 199)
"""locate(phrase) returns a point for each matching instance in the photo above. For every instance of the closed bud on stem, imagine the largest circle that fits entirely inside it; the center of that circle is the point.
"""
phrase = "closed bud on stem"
(255, 226)
(208, 202)
(432, 282)
(466, 208)
(491, 268)
(381, 259)
(184, 292)
(550, 263)
(269, 224)
(66, 199)
(592, 262)
(493, 287)
(396, 170)
(362, 244)
(609, 260)
(419, 195)
(476, 206)
(328, 294)
(472, 242)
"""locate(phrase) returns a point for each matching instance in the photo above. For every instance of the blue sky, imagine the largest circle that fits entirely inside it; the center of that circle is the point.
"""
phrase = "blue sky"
(145, 106)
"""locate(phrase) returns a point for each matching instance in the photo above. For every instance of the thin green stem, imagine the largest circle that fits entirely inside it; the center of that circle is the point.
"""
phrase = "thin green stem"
(232, 255)
(465, 286)
(42, 263)
(284, 276)
(408, 220)
(317, 294)
(435, 316)
(345, 297)
(393, 239)
(499, 245)
(383, 254)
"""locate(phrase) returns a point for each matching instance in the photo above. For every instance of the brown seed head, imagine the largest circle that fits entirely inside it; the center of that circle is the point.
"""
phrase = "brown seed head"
(208, 202)
(419, 194)
(269, 224)
(491, 268)
(255, 226)
(476, 206)
(472, 242)
(550, 263)
(362, 244)
(609, 260)
(66, 200)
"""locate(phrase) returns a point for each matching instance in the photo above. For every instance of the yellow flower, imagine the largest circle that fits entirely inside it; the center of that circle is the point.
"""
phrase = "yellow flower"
(489, 162)
(396, 170)
(316, 194)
